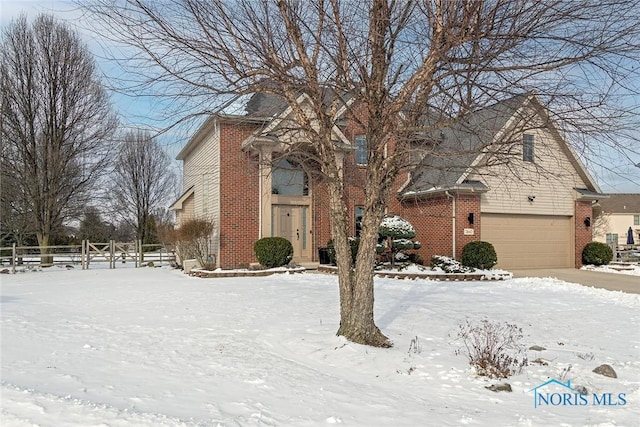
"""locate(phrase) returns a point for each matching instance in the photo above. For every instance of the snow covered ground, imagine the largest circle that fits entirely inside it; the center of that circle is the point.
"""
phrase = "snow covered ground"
(154, 347)
(630, 269)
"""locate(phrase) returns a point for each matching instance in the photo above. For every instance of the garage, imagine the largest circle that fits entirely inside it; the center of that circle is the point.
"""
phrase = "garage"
(529, 241)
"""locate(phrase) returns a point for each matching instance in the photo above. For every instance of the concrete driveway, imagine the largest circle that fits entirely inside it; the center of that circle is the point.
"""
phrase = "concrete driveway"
(597, 279)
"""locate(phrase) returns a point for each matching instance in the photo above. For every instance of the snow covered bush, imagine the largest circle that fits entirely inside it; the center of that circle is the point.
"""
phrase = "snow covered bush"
(597, 253)
(480, 255)
(493, 349)
(396, 227)
(449, 265)
(397, 232)
(273, 251)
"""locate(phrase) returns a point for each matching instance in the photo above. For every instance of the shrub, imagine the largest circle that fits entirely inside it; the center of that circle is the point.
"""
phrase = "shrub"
(397, 233)
(354, 244)
(493, 349)
(449, 265)
(191, 241)
(416, 259)
(481, 255)
(273, 251)
(597, 253)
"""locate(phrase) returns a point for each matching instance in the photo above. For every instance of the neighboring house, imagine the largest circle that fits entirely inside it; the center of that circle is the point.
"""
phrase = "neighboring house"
(616, 214)
(531, 197)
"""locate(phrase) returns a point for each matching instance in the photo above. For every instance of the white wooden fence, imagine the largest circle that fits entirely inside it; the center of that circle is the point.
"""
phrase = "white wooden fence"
(85, 254)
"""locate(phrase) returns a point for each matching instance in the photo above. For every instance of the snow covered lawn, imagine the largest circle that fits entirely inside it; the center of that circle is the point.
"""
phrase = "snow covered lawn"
(154, 347)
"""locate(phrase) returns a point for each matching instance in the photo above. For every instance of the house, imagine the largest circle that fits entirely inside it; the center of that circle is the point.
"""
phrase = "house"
(504, 174)
(615, 214)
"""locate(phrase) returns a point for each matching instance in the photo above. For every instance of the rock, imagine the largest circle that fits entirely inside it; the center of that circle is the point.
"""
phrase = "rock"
(581, 389)
(69, 267)
(4, 271)
(190, 264)
(606, 370)
(537, 348)
(541, 362)
(500, 387)
(150, 264)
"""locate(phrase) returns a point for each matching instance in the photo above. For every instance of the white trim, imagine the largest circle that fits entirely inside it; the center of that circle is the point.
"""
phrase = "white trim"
(177, 205)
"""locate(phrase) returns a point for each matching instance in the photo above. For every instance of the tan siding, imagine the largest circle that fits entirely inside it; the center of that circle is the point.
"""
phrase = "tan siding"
(551, 179)
(188, 209)
(201, 169)
(618, 224)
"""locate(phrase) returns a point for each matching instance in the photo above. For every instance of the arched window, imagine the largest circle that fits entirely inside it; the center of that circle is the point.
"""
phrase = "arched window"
(289, 179)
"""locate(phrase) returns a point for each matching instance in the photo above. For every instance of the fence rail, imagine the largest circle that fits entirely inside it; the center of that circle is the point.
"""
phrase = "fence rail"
(627, 253)
(85, 254)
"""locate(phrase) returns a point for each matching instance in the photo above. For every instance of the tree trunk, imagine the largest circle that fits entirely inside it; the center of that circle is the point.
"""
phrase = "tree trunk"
(43, 242)
(356, 284)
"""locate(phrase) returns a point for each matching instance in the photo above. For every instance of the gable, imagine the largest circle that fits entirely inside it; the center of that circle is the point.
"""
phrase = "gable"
(488, 143)
(546, 186)
(177, 205)
(278, 130)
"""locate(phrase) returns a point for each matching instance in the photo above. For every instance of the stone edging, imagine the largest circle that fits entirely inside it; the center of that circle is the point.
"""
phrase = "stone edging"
(245, 273)
(455, 277)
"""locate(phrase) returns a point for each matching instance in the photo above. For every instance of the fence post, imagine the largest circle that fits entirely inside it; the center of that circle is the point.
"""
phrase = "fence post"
(14, 259)
(88, 253)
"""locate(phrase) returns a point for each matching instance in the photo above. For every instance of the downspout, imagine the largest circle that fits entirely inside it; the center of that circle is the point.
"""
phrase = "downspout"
(453, 223)
(260, 187)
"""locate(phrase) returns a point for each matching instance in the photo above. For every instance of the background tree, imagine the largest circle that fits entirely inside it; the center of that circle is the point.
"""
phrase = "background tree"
(142, 182)
(16, 224)
(404, 69)
(94, 228)
(56, 123)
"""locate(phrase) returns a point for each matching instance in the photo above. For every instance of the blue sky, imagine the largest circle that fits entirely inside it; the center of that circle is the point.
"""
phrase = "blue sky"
(622, 177)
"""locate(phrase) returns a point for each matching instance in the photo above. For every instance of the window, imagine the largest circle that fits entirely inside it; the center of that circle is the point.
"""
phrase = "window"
(527, 148)
(636, 220)
(362, 151)
(612, 239)
(288, 179)
(205, 192)
(359, 211)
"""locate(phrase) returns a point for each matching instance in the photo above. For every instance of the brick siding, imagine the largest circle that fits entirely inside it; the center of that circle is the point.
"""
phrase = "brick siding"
(583, 234)
(239, 197)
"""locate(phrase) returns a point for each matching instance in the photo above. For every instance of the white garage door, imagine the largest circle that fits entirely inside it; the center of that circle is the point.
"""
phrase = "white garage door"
(529, 241)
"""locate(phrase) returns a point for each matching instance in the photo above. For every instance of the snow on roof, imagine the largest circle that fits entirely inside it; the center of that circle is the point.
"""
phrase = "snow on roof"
(237, 106)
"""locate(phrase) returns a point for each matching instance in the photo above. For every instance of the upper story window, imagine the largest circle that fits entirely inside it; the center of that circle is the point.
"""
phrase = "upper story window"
(528, 154)
(289, 179)
(362, 150)
(636, 220)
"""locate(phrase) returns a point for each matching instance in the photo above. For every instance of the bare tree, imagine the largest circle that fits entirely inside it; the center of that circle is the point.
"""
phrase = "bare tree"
(15, 217)
(404, 69)
(142, 181)
(56, 122)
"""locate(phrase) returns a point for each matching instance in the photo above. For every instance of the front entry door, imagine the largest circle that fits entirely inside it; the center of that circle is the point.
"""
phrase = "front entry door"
(291, 222)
